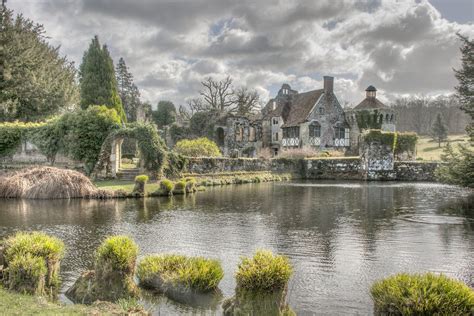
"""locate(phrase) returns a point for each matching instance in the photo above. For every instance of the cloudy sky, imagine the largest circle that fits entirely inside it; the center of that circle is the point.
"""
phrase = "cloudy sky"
(401, 47)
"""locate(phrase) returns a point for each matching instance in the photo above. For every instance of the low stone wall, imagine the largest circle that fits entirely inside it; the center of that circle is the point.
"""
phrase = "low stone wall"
(333, 168)
(343, 168)
(415, 170)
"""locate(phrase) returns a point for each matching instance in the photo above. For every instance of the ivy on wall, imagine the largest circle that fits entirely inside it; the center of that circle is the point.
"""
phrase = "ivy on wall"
(368, 119)
(399, 142)
(12, 134)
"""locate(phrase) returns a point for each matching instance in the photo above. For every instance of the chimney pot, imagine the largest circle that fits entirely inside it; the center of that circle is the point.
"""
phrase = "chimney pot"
(328, 84)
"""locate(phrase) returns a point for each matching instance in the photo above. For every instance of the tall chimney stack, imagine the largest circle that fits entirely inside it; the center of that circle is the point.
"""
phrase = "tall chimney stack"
(328, 84)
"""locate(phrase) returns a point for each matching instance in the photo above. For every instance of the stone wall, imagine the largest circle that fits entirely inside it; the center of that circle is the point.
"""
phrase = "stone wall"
(344, 168)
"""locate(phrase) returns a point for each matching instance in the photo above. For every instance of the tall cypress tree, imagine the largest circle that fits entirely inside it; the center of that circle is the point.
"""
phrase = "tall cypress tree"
(128, 91)
(97, 79)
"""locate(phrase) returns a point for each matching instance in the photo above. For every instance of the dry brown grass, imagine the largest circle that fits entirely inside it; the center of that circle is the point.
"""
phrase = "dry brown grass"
(50, 183)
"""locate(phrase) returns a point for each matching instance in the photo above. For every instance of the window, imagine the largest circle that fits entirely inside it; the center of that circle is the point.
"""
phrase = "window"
(252, 137)
(291, 132)
(239, 134)
(275, 121)
(276, 136)
(340, 132)
(314, 130)
(321, 110)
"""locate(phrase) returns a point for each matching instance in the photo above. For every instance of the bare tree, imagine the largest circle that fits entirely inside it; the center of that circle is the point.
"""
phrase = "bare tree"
(218, 96)
(247, 101)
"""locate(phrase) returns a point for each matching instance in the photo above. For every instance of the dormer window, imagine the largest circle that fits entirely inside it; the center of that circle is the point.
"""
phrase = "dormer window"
(275, 121)
(285, 91)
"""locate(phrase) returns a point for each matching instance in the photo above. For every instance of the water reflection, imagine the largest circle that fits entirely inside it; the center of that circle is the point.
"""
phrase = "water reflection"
(340, 237)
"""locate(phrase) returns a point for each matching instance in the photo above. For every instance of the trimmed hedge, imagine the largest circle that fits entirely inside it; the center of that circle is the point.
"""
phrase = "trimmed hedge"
(422, 294)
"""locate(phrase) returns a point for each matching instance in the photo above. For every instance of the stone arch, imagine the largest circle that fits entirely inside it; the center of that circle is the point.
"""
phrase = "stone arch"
(152, 150)
(220, 136)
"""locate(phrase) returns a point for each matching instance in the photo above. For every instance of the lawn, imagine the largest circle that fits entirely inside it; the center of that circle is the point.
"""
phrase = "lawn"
(428, 149)
(18, 304)
(124, 185)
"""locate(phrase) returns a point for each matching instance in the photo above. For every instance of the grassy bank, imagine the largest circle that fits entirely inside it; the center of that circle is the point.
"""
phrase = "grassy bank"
(18, 304)
(427, 148)
(125, 185)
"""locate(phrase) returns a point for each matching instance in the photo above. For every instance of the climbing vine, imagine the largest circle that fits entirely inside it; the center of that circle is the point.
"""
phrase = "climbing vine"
(368, 120)
(399, 142)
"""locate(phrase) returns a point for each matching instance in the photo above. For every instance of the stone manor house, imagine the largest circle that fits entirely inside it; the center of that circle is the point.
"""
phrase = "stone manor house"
(310, 120)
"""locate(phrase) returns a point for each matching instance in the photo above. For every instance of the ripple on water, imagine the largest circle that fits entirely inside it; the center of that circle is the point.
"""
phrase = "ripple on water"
(434, 219)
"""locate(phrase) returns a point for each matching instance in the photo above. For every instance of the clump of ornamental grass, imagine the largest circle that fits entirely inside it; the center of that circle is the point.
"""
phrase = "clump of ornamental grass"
(42, 252)
(50, 183)
(422, 294)
(140, 182)
(112, 277)
(190, 185)
(118, 251)
(263, 272)
(187, 273)
(27, 274)
(180, 187)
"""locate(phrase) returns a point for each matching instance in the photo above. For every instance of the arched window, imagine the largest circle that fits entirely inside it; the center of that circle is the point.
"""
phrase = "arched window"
(386, 117)
(252, 137)
(391, 118)
(314, 129)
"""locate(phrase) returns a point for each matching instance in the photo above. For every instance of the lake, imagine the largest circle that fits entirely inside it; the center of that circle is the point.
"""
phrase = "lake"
(340, 236)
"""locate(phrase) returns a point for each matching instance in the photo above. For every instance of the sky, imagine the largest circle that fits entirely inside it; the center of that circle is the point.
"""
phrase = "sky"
(403, 48)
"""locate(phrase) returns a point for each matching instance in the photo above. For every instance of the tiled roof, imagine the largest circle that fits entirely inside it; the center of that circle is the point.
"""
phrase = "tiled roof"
(301, 105)
(370, 103)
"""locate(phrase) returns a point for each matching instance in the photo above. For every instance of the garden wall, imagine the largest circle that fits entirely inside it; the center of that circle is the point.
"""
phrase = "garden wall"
(344, 168)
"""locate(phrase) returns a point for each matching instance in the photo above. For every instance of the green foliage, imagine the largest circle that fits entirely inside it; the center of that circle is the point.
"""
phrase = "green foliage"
(405, 142)
(201, 147)
(178, 133)
(422, 294)
(120, 251)
(128, 91)
(175, 164)
(202, 124)
(26, 274)
(12, 134)
(458, 168)
(195, 273)
(368, 119)
(87, 131)
(143, 178)
(165, 114)
(35, 81)
(97, 79)
(166, 185)
(263, 272)
(36, 244)
(439, 131)
(383, 138)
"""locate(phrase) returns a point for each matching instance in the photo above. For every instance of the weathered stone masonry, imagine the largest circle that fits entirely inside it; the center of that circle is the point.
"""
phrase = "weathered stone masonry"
(346, 168)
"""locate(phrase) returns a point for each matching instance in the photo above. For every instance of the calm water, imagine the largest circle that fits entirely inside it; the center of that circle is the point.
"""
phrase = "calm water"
(340, 237)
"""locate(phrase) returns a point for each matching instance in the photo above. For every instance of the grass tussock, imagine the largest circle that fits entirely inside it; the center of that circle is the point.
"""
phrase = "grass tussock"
(50, 183)
(194, 273)
(143, 178)
(37, 244)
(422, 294)
(27, 274)
(263, 272)
(119, 251)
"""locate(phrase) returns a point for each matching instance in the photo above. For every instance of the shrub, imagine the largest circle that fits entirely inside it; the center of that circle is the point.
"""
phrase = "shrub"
(263, 272)
(120, 251)
(180, 187)
(26, 274)
(201, 147)
(194, 273)
(141, 178)
(422, 294)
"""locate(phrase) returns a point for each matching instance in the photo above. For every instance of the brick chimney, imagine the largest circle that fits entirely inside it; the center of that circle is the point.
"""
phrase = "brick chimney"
(328, 84)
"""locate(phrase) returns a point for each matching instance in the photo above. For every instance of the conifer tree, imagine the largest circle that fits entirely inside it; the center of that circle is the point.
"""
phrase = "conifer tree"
(97, 79)
(439, 131)
(465, 76)
(35, 81)
(165, 114)
(128, 91)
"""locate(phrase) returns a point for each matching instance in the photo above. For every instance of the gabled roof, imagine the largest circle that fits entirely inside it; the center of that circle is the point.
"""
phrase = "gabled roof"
(370, 103)
(301, 106)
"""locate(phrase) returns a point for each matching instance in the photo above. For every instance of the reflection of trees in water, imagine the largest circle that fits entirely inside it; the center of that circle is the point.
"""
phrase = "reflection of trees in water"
(461, 209)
